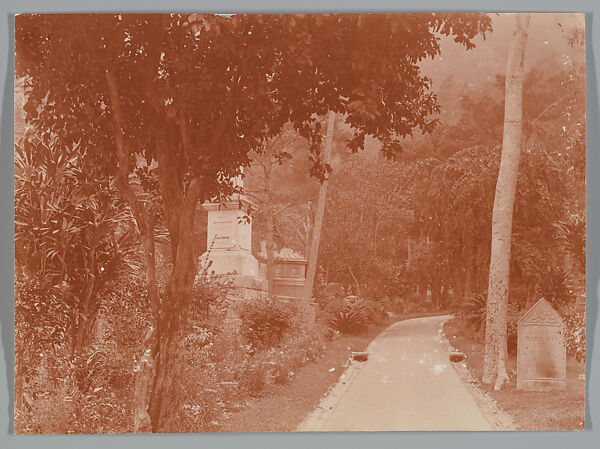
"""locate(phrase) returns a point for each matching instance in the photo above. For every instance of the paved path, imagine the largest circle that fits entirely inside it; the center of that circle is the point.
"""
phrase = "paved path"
(408, 383)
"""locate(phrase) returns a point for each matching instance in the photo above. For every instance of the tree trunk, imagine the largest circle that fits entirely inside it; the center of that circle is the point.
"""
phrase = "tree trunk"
(143, 381)
(498, 285)
(270, 240)
(436, 291)
(356, 283)
(84, 316)
(165, 398)
(467, 276)
(146, 228)
(146, 365)
(316, 234)
(180, 198)
(308, 230)
(445, 295)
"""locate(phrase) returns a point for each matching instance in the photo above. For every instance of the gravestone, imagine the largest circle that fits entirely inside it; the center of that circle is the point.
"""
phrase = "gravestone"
(541, 351)
(289, 271)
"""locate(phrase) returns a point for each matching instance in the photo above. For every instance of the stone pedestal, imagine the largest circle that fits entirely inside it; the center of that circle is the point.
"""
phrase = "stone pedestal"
(229, 238)
(248, 287)
(231, 261)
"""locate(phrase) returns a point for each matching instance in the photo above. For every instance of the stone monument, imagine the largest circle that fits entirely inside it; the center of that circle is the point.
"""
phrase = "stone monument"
(290, 271)
(229, 244)
(229, 236)
(541, 351)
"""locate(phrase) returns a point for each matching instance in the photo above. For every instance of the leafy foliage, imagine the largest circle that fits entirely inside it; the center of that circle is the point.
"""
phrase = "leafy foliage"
(87, 393)
(42, 317)
(265, 321)
(419, 229)
(572, 234)
(555, 287)
(187, 60)
(356, 315)
(209, 294)
(200, 96)
(69, 229)
(472, 311)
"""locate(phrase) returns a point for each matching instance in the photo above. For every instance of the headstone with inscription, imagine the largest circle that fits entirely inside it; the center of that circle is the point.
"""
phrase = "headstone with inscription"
(541, 351)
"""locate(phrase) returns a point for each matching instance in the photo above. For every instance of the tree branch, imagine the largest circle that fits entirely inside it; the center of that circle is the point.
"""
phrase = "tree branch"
(123, 154)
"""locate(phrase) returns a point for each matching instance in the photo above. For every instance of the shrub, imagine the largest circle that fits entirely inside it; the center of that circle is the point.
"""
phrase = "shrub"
(471, 311)
(278, 365)
(331, 291)
(199, 414)
(378, 310)
(555, 286)
(86, 393)
(265, 321)
(201, 404)
(255, 375)
(204, 351)
(42, 320)
(335, 305)
(210, 293)
(356, 315)
(397, 305)
(48, 406)
(348, 321)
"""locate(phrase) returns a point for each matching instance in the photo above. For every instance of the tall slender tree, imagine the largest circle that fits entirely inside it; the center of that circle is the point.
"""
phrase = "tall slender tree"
(313, 254)
(504, 200)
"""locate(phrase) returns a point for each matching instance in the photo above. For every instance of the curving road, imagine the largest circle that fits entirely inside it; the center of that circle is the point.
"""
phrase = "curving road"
(407, 383)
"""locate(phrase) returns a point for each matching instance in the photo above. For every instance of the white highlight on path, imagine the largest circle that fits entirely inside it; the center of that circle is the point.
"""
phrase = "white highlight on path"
(437, 369)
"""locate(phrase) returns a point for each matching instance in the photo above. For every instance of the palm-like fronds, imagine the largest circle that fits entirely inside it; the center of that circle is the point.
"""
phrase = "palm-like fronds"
(356, 315)
(347, 321)
(473, 310)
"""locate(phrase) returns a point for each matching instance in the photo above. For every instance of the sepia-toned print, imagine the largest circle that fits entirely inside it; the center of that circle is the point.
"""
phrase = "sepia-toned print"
(303, 222)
